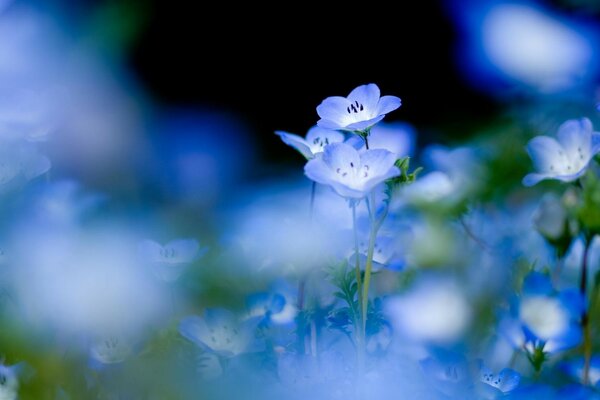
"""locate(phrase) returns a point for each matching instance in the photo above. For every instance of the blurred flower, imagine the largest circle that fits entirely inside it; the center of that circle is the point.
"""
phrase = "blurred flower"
(169, 261)
(522, 43)
(362, 109)
(433, 310)
(350, 173)
(566, 159)
(277, 308)
(550, 219)
(220, 331)
(544, 317)
(449, 373)
(209, 366)
(21, 162)
(82, 281)
(9, 382)
(505, 381)
(111, 349)
(395, 137)
(575, 369)
(431, 188)
(316, 140)
(386, 253)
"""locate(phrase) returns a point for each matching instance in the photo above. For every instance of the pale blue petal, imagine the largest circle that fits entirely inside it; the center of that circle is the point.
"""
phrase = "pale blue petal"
(333, 109)
(296, 142)
(318, 171)
(149, 250)
(379, 161)
(183, 250)
(317, 132)
(219, 316)
(388, 104)
(194, 329)
(329, 124)
(367, 95)
(547, 154)
(390, 173)
(532, 179)
(341, 155)
(509, 380)
(362, 125)
(574, 136)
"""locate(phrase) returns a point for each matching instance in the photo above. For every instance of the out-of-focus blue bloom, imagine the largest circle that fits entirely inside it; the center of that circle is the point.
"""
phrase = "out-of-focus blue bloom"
(544, 317)
(434, 310)
(575, 369)
(21, 162)
(449, 373)
(350, 173)
(111, 349)
(521, 43)
(395, 137)
(505, 381)
(550, 218)
(273, 307)
(566, 159)
(362, 109)
(209, 366)
(386, 253)
(220, 331)
(9, 382)
(316, 140)
(169, 261)
(431, 188)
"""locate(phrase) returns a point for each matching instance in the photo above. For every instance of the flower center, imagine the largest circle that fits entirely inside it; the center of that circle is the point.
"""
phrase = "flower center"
(355, 107)
(362, 172)
(320, 142)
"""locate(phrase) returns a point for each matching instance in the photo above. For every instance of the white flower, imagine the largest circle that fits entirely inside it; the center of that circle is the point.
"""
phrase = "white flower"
(350, 173)
(567, 158)
(169, 261)
(316, 140)
(362, 109)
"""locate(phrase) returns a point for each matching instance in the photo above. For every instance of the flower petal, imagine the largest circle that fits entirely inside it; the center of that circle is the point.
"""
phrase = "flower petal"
(184, 250)
(341, 155)
(547, 154)
(388, 104)
(296, 142)
(379, 161)
(595, 143)
(575, 136)
(362, 125)
(194, 329)
(319, 134)
(334, 109)
(367, 95)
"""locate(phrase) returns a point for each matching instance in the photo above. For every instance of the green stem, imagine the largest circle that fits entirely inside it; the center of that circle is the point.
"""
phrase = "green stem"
(360, 343)
(587, 343)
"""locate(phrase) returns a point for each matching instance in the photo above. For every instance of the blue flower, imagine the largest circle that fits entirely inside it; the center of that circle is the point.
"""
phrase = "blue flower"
(505, 381)
(273, 308)
(362, 109)
(567, 158)
(316, 140)
(545, 318)
(220, 331)
(574, 368)
(169, 261)
(9, 383)
(111, 349)
(349, 173)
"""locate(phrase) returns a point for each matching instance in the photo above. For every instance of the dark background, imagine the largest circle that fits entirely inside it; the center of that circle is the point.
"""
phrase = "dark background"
(273, 66)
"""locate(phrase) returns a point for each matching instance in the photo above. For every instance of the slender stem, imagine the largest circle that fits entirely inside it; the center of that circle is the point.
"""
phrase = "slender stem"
(366, 142)
(357, 263)
(587, 343)
(360, 338)
(369, 266)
